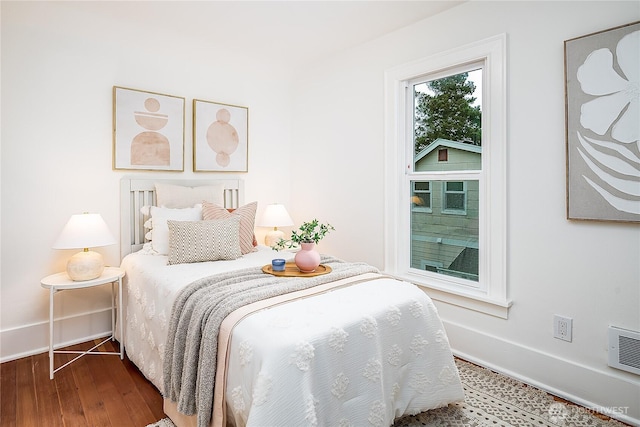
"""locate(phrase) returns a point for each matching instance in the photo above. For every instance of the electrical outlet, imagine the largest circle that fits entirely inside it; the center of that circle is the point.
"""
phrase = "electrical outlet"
(562, 327)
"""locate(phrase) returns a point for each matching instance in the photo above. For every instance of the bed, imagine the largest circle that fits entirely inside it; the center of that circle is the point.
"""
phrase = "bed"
(227, 344)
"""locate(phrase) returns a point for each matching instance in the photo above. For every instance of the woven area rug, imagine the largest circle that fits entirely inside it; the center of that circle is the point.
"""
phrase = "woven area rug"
(494, 400)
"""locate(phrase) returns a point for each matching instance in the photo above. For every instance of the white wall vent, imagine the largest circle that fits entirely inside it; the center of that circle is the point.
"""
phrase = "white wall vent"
(624, 349)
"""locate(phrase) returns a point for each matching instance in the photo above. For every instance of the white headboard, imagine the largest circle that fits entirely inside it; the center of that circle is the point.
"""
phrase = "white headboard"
(137, 192)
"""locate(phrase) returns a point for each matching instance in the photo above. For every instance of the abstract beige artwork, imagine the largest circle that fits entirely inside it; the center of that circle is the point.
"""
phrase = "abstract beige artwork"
(602, 72)
(222, 137)
(220, 140)
(148, 130)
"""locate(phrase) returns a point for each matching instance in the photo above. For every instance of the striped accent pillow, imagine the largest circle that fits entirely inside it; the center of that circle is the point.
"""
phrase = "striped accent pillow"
(198, 241)
(247, 214)
(255, 241)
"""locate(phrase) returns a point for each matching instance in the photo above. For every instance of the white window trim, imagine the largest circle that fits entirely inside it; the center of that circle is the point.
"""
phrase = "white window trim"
(492, 297)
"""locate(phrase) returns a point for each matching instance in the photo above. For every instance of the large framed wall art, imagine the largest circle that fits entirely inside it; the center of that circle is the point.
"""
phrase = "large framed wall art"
(148, 130)
(602, 74)
(220, 137)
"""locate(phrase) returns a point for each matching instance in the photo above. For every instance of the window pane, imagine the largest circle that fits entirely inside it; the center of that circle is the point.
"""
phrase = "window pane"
(445, 242)
(455, 186)
(454, 201)
(422, 186)
(421, 195)
(447, 122)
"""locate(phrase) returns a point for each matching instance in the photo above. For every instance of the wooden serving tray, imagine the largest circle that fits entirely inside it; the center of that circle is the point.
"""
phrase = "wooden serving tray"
(290, 270)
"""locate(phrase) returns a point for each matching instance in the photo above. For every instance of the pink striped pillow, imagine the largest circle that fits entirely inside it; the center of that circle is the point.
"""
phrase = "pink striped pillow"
(247, 215)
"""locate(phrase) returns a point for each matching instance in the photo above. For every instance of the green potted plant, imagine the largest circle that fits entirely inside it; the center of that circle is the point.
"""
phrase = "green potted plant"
(307, 259)
(308, 232)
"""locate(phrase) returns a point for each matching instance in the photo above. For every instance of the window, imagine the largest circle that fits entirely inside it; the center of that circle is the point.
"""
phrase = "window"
(443, 155)
(445, 109)
(421, 197)
(455, 197)
(450, 168)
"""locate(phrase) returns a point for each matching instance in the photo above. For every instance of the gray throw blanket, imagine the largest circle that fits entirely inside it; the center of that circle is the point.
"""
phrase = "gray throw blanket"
(196, 316)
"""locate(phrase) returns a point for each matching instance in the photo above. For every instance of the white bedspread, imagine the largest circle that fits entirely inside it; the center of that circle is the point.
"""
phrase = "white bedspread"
(151, 288)
(294, 364)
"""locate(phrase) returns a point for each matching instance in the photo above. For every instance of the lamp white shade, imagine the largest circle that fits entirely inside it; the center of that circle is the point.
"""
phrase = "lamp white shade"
(84, 231)
(275, 215)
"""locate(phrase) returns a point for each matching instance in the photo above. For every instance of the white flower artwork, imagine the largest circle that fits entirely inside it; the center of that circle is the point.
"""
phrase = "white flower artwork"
(603, 125)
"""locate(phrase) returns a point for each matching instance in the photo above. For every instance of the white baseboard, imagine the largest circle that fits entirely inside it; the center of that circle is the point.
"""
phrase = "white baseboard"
(31, 339)
(606, 391)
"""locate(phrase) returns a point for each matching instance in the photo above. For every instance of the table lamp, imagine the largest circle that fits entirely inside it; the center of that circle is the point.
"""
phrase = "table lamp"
(275, 215)
(85, 231)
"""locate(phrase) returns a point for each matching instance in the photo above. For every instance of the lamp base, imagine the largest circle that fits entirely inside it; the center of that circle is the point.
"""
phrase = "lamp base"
(85, 265)
(272, 237)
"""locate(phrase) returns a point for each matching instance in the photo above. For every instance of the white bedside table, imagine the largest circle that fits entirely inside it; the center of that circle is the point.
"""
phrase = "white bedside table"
(61, 282)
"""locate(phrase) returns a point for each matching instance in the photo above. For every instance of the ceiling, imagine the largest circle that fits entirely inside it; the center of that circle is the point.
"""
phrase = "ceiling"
(294, 32)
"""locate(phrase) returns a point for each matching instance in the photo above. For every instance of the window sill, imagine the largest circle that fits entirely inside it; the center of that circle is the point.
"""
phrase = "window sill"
(469, 299)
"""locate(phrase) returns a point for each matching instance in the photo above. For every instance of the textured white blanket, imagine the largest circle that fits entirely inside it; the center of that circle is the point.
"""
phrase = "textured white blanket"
(265, 383)
(151, 288)
(360, 355)
(198, 311)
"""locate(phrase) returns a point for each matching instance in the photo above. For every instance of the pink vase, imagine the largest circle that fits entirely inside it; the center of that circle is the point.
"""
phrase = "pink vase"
(307, 259)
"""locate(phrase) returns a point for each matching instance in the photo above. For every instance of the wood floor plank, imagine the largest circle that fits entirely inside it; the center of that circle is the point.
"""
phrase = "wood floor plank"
(147, 390)
(46, 393)
(112, 385)
(92, 402)
(69, 396)
(26, 409)
(8, 388)
(138, 409)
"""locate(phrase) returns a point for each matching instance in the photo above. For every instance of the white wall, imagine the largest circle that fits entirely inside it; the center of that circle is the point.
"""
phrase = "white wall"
(60, 61)
(585, 270)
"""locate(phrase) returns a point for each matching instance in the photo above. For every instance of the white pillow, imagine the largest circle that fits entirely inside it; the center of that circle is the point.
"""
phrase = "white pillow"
(177, 196)
(198, 241)
(160, 230)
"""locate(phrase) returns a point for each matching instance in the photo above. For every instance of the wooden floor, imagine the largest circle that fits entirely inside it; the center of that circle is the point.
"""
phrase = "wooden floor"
(95, 390)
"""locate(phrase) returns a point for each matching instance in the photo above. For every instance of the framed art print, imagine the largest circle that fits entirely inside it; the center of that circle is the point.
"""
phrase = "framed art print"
(602, 74)
(220, 137)
(148, 130)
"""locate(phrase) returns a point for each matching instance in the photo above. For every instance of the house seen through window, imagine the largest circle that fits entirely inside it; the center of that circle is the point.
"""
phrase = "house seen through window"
(446, 144)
